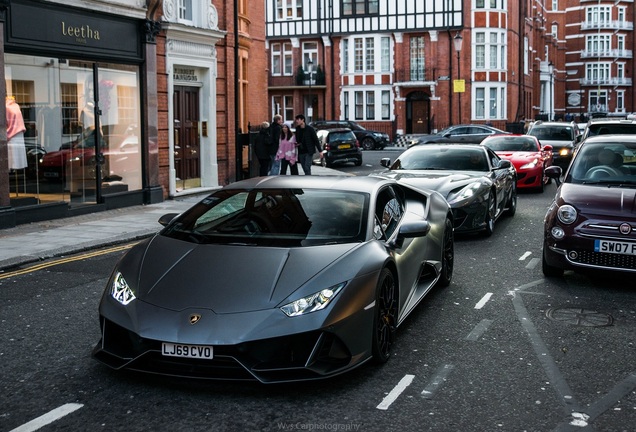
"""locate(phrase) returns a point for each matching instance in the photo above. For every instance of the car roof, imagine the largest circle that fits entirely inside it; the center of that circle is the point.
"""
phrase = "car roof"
(336, 182)
(611, 138)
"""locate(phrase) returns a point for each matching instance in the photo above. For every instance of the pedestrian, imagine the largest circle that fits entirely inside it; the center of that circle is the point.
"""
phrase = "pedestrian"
(287, 154)
(261, 148)
(275, 129)
(308, 143)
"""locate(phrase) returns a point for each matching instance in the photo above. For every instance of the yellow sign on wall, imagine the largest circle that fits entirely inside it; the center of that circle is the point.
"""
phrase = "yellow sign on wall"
(459, 86)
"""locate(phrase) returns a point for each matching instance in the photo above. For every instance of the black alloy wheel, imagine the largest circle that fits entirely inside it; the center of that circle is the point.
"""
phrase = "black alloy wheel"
(512, 201)
(385, 318)
(491, 213)
(368, 143)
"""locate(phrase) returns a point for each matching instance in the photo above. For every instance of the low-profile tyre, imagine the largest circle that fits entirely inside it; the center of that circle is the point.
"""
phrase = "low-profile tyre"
(549, 270)
(368, 144)
(512, 202)
(448, 255)
(385, 317)
(490, 215)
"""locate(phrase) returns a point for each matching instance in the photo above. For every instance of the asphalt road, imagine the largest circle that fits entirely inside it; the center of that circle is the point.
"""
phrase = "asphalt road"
(501, 349)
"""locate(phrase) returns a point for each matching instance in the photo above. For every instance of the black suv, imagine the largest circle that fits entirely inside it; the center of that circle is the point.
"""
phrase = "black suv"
(562, 136)
(339, 146)
(606, 126)
(369, 140)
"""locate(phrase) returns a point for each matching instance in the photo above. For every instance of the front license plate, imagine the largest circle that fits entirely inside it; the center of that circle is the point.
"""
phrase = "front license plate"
(51, 174)
(615, 247)
(189, 351)
(344, 146)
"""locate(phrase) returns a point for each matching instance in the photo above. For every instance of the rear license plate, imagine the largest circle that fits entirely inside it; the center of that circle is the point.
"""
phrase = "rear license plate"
(344, 146)
(615, 247)
(189, 351)
(51, 174)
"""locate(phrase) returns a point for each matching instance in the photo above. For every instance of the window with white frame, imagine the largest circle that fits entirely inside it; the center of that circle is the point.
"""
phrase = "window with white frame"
(385, 54)
(597, 72)
(620, 101)
(417, 60)
(598, 14)
(621, 14)
(282, 59)
(526, 55)
(365, 54)
(345, 104)
(359, 105)
(386, 104)
(555, 5)
(370, 105)
(490, 50)
(555, 30)
(360, 7)
(284, 106)
(491, 4)
(489, 102)
(620, 43)
(289, 9)
(598, 43)
(598, 100)
(620, 70)
(370, 54)
(345, 55)
(310, 52)
(358, 55)
(184, 9)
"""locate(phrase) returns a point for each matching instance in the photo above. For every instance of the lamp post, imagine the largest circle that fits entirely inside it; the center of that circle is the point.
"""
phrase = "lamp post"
(457, 41)
(310, 70)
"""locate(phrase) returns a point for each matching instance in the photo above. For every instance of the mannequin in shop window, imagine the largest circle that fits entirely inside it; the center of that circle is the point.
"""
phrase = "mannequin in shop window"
(15, 135)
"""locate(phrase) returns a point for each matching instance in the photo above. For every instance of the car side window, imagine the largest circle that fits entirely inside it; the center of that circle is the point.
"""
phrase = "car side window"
(388, 213)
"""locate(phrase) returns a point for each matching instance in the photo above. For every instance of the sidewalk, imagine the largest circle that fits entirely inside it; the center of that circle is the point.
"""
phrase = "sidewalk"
(37, 241)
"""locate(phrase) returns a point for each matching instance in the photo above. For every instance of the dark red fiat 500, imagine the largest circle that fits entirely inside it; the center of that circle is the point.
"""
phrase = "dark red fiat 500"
(591, 224)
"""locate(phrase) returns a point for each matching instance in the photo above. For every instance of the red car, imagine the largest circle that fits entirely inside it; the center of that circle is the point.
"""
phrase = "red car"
(526, 154)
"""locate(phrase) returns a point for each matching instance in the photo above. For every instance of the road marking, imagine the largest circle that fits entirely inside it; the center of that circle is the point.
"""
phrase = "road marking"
(533, 263)
(438, 379)
(48, 418)
(483, 301)
(525, 255)
(66, 260)
(397, 391)
(479, 330)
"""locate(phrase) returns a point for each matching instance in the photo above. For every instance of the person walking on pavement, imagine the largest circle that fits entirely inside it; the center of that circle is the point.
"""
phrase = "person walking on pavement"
(287, 154)
(308, 143)
(274, 132)
(261, 148)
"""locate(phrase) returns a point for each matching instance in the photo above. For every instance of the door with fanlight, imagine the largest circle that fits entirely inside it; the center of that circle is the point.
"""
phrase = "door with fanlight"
(186, 137)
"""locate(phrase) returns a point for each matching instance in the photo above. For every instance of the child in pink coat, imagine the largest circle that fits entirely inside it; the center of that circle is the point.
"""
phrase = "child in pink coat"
(287, 153)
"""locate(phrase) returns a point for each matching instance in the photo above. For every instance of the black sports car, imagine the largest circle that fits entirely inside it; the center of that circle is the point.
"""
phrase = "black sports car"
(478, 184)
(279, 278)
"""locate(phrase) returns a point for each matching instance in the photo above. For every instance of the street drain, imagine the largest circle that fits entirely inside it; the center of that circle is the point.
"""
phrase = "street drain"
(580, 317)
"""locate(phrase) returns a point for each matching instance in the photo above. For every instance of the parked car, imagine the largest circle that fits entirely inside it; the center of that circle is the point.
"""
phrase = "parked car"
(368, 139)
(465, 133)
(606, 126)
(562, 136)
(591, 224)
(70, 160)
(478, 184)
(339, 146)
(285, 279)
(527, 156)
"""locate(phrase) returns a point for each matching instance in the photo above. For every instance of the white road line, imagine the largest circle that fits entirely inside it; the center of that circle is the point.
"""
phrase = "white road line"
(48, 418)
(483, 301)
(524, 256)
(479, 330)
(533, 263)
(438, 379)
(397, 391)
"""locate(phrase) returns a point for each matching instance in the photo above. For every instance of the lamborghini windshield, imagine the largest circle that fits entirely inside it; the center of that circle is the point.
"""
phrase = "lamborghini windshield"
(275, 217)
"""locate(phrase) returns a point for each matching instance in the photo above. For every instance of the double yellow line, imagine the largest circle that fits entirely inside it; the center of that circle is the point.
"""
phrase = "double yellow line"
(79, 257)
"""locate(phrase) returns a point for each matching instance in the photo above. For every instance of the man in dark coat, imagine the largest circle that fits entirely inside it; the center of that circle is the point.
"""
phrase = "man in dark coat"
(308, 144)
(261, 148)
(274, 133)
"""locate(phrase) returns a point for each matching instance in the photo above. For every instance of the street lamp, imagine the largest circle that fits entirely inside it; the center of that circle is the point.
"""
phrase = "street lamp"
(310, 70)
(457, 41)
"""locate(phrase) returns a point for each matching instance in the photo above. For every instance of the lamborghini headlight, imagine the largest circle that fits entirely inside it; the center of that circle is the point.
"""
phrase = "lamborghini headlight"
(312, 303)
(121, 291)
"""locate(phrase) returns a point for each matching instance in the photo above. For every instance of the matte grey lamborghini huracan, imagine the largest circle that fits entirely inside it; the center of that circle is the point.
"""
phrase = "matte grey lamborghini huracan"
(277, 279)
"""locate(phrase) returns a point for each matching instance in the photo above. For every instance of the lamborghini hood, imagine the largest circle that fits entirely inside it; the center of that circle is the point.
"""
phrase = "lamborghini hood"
(176, 275)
